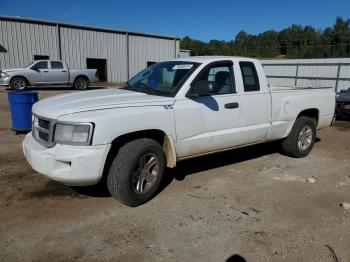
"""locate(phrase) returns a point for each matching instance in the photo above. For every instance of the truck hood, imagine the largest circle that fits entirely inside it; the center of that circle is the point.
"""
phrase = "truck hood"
(12, 70)
(76, 102)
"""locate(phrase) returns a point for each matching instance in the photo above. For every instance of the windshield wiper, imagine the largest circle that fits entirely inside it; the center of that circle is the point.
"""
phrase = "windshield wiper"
(141, 88)
(127, 86)
(147, 88)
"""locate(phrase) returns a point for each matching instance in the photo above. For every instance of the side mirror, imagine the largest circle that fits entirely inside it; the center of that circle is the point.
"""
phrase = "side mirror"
(204, 88)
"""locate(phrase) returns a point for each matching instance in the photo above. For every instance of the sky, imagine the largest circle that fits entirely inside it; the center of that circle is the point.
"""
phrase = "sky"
(202, 20)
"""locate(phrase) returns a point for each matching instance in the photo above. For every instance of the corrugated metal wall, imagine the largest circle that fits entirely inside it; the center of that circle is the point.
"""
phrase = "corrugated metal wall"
(144, 49)
(24, 39)
(289, 72)
(78, 44)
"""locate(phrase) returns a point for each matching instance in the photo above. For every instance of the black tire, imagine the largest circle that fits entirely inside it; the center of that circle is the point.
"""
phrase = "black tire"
(18, 83)
(122, 175)
(291, 145)
(81, 84)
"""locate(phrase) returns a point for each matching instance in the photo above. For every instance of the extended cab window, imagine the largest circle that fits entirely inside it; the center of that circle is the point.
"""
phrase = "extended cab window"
(250, 77)
(56, 65)
(222, 75)
(40, 65)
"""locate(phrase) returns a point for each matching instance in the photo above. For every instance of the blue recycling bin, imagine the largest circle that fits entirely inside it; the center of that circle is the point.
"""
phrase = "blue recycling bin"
(21, 109)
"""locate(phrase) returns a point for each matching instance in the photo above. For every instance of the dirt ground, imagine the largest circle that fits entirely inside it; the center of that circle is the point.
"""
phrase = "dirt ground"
(250, 204)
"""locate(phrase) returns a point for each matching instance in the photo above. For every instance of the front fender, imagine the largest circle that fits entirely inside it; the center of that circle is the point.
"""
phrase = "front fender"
(115, 122)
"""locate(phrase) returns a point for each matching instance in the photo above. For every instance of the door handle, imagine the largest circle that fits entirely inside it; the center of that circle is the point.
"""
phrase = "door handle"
(231, 105)
(45, 71)
(64, 71)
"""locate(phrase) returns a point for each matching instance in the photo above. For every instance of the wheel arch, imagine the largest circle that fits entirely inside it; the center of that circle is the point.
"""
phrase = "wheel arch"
(313, 113)
(293, 144)
(25, 78)
(81, 76)
(309, 112)
(158, 135)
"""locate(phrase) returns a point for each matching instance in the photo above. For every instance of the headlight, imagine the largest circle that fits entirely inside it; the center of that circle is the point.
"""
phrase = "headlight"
(73, 133)
(2, 74)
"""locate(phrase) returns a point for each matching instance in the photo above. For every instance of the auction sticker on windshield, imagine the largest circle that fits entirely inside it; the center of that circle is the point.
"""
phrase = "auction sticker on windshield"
(182, 66)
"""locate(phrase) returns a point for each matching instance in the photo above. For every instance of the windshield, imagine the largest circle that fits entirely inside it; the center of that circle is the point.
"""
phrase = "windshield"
(163, 79)
(29, 65)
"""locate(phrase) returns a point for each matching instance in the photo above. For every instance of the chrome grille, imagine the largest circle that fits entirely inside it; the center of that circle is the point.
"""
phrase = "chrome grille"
(44, 123)
(43, 136)
(42, 130)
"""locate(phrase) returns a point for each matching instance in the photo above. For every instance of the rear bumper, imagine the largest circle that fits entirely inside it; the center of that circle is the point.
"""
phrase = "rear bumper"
(70, 165)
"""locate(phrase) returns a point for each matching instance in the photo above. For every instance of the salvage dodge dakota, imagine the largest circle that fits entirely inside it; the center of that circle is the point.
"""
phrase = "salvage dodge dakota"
(170, 111)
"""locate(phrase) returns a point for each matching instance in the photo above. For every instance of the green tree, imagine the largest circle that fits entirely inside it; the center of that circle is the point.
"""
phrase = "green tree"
(294, 41)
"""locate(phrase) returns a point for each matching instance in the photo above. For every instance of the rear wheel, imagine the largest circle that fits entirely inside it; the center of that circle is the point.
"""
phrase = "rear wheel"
(18, 83)
(81, 84)
(301, 138)
(136, 172)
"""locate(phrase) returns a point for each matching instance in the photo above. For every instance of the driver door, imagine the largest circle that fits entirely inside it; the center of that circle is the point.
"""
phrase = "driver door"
(39, 73)
(209, 123)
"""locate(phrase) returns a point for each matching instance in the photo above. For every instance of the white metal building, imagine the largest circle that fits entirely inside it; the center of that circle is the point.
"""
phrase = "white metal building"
(116, 54)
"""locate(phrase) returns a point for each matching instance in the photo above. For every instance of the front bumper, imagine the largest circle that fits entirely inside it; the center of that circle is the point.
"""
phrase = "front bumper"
(70, 165)
(5, 81)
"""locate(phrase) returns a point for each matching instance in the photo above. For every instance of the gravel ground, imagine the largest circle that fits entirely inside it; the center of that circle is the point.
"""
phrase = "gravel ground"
(250, 204)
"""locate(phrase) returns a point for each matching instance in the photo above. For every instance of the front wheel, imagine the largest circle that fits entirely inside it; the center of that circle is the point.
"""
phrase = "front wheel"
(81, 84)
(136, 172)
(301, 138)
(18, 83)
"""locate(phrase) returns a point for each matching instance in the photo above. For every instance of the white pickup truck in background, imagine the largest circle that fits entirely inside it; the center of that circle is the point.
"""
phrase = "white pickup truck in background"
(48, 73)
(171, 111)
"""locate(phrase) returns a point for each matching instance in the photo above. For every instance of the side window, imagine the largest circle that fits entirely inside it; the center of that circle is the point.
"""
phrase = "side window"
(250, 77)
(40, 65)
(223, 77)
(56, 65)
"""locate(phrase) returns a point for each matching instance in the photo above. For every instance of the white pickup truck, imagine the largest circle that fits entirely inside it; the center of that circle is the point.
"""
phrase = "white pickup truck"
(171, 111)
(47, 72)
